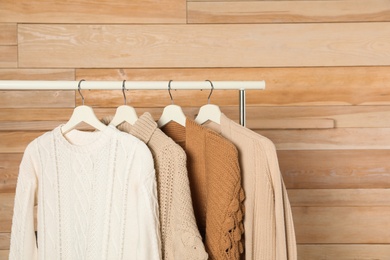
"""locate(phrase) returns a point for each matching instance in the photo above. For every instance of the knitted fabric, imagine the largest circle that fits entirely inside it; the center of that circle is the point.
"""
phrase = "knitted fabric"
(216, 190)
(96, 196)
(179, 234)
(268, 219)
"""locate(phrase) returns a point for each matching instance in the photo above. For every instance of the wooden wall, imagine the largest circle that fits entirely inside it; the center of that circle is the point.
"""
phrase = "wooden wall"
(326, 105)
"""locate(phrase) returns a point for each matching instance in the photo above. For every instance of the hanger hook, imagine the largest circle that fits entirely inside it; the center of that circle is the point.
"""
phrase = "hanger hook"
(169, 91)
(79, 88)
(211, 91)
(123, 91)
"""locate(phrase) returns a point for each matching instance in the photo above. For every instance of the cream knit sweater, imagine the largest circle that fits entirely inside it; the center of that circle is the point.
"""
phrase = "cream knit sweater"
(179, 234)
(269, 229)
(96, 197)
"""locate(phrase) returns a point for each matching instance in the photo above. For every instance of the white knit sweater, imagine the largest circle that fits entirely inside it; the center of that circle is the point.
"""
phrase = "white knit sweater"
(96, 197)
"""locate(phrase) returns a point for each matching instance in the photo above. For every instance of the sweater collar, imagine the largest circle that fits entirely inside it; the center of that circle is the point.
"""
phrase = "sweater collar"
(144, 127)
(84, 141)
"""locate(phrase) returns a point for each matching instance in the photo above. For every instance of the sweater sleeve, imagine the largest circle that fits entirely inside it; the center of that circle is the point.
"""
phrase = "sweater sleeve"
(149, 240)
(183, 240)
(285, 235)
(23, 241)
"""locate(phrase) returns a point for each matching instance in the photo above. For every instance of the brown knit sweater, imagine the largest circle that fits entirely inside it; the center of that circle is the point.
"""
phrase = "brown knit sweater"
(180, 238)
(215, 182)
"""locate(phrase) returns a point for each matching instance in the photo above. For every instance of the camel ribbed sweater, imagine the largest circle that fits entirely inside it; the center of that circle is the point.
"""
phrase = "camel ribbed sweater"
(269, 229)
(215, 182)
(180, 236)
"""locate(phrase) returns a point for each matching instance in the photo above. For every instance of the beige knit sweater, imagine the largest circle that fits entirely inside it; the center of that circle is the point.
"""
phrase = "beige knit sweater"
(216, 190)
(269, 229)
(179, 233)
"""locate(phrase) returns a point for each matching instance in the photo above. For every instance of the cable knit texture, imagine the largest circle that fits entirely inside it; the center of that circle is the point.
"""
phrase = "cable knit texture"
(96, 195)
(269, 228)
(179, 234)
(216, 190)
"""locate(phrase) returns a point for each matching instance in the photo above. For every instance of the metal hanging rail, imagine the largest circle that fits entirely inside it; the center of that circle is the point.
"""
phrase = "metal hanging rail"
(137, 85)
(134, 85)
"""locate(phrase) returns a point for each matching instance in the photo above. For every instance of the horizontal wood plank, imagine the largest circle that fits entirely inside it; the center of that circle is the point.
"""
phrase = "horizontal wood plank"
(343, 116)
(288, 11)
(8, 34)
(121, 11)
(8, 56)
(343, 225)
(4, 241)
(339, 197)
(238, 45)
(284, 86)
(157, 98)
(6, 211)
(4, 254)
(344, 252)
(37, 74)
(16, 142)
(9, 169)
(36, 99)
(329, 139)
(256, 117)
(30, 125)
(335, 169)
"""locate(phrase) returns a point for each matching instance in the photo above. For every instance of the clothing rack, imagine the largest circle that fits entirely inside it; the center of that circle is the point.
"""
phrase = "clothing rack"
(138, 85)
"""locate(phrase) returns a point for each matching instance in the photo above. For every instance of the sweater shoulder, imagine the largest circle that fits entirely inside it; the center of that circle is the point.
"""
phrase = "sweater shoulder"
(137, 149)
(160, 144)
(39, 142)
(239, 133)
(224, 145)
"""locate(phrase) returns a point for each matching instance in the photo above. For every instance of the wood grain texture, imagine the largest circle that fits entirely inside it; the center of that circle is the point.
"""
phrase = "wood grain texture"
(344, 225)
(329, 139)
(4, 254)
(246, 45)
(30, 125)
(4, 241)
(89, 11)
(343, 116)
(8, 35)
(284, 86)
(344, 252)
(335, 169)
(339, 197)
(37, 74)
(157, 98)
(8, 56)
(9, 169)
(256, 117)
(288, 11)
(6, 211)
(36, 99)
(16, 142)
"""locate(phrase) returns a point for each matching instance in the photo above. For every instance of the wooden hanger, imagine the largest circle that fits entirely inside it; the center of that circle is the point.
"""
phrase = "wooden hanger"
(124, 113)
(172, 113)
(82, 114)
(209, 112)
